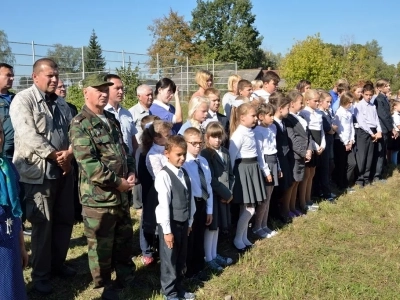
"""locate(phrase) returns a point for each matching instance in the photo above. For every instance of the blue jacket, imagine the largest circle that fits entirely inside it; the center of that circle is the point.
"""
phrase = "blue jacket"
(8, 129)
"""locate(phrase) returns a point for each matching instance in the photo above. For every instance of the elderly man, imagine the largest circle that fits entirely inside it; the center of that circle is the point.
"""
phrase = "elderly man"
(142, 108)
(107, 174)
(61, 91)
(42, 157)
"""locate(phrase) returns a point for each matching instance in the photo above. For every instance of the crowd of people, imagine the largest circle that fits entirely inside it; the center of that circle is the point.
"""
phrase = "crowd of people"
(268, 154)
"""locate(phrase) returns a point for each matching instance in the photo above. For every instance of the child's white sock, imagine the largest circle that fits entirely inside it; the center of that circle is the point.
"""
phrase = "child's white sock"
(208, 243)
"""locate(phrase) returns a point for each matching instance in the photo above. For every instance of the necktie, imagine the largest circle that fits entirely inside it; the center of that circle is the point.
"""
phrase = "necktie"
(204, 192)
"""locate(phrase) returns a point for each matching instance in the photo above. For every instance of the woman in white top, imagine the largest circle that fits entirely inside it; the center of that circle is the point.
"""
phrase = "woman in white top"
(314, 123)
(231, 95)
(344, 141)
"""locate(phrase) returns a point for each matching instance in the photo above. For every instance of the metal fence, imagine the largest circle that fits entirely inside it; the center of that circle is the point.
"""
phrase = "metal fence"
(183, 75)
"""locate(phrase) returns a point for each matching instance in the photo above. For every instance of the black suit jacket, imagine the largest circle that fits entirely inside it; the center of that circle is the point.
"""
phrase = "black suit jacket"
(225, 123)
(383, 110)
(299, 139)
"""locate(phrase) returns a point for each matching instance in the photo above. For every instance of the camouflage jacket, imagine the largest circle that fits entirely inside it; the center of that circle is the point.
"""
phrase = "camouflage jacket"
(102, 158)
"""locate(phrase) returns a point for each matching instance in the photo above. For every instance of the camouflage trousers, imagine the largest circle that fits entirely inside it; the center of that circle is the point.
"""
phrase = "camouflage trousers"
(109, 235)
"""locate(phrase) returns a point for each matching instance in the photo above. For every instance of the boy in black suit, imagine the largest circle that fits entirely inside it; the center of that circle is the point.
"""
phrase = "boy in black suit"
(174, 215)
(214, 96)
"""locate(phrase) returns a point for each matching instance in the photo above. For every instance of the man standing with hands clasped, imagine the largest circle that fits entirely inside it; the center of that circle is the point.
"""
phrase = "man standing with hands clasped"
(107, 174)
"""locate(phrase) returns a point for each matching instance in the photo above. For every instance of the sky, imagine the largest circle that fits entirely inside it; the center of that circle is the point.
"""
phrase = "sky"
(121, 25)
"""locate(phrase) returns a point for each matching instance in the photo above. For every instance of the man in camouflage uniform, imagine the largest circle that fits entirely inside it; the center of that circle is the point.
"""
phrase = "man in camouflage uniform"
(107, 173)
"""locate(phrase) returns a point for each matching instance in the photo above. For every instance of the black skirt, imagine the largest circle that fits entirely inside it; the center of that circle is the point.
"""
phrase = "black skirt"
(315, 158)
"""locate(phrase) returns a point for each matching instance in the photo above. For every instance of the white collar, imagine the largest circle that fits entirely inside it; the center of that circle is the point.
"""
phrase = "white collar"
(162, 104)
(109, 107)
(175, 170)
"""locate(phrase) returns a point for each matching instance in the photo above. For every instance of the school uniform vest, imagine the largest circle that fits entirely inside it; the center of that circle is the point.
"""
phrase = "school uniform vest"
(180, 196)
(282, 141)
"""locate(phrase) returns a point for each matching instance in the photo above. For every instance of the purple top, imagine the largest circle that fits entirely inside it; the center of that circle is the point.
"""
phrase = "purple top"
(166, 115)
(366, 116)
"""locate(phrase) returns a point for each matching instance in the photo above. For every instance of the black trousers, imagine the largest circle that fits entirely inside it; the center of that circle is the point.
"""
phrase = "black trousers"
(365, 155)
(345, 164)
(195, 256)
(380, 155)
(322, 173)
(173, 260)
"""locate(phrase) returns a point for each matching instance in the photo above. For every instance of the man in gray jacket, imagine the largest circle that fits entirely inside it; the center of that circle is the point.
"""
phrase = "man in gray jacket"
(42, 157)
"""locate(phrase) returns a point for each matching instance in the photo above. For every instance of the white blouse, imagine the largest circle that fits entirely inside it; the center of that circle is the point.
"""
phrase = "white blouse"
(155, 159)
(344, 121)
(301, 121)
(396, 120)
(266, 144)
(314, 122)
(242, 144)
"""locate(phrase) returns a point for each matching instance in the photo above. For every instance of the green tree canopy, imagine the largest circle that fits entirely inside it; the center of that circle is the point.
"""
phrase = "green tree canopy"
(225, 32)
(68, 58)
(172, 41)
(310, 59)
(6, 54)
(94, 60)
(130, 79)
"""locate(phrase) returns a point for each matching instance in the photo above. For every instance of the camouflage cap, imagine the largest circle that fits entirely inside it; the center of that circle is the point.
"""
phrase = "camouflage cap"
(96, 80)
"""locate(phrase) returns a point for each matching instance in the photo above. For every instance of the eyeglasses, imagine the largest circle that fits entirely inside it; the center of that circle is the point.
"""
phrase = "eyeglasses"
(195, 144)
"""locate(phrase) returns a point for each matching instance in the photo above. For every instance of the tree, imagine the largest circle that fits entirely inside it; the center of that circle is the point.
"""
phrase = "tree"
(68, 58)
(271, 60)
(225, 32)
(172, 41)
(94, 60)
(25, 82)
(130, 79)
(6, 54)
(311, 59)
(75, 96)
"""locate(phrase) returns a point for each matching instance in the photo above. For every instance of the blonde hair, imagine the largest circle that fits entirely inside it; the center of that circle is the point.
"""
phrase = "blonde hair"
(310, 94)
(202, 77)
(236, 114)
(194, 104)
(231, 81)
(257, 84)
(154, 130)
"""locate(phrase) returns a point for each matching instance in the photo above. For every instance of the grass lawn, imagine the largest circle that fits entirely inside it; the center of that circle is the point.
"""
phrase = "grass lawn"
(348, 250)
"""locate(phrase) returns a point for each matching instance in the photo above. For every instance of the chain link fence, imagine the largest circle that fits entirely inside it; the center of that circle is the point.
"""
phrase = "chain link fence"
(72, 66)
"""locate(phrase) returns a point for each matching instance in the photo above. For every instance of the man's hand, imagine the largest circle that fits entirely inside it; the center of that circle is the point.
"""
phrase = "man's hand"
(169, 240)
(209, 219)
(63, 157)
(131, 178)
(52, 155)
(125, 186)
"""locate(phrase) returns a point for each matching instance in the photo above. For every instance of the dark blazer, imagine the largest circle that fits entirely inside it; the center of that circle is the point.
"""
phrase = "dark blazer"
(223, 120)
(299, 139)
(222, 177)
(383, 110)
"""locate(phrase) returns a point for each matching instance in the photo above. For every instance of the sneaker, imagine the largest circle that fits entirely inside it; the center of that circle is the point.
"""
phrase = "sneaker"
(223, 261)
(186, 296)
(312, 204)
(214, 266)
(147, 260)
(260, 232)
(350, 190)
(270, 231)
(311, 208)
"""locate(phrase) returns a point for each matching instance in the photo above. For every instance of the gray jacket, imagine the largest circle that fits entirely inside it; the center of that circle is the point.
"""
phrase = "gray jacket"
(33, 124)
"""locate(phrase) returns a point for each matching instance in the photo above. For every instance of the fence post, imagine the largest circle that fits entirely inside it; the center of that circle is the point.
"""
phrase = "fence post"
(187, 75)
(83, 63)
(181, 83)
(33, 52)
(213, 68)
(158, 67)
(235, 67)
(123, 59)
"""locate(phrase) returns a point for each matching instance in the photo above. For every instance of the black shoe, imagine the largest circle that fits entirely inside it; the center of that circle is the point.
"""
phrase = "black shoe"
(65, 271)
(240, 251)
(43, 287)
(108, 292)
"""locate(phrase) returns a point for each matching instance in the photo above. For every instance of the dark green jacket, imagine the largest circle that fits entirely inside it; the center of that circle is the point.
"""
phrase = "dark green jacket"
(102, 158)
(5, 120)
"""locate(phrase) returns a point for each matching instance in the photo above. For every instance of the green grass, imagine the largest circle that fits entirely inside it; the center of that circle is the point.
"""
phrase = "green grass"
(350, 250)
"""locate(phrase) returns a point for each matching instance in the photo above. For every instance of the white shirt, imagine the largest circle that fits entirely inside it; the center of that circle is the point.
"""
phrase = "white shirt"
(155, 159)
(396, 120)
(213, 115)
(163, 187)
(344, 121)
(227, 103)
(262, 93)
(192, 168)
(301, 121)
(279, 121)
(314, 122)
(242, 144)
(266, 144)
